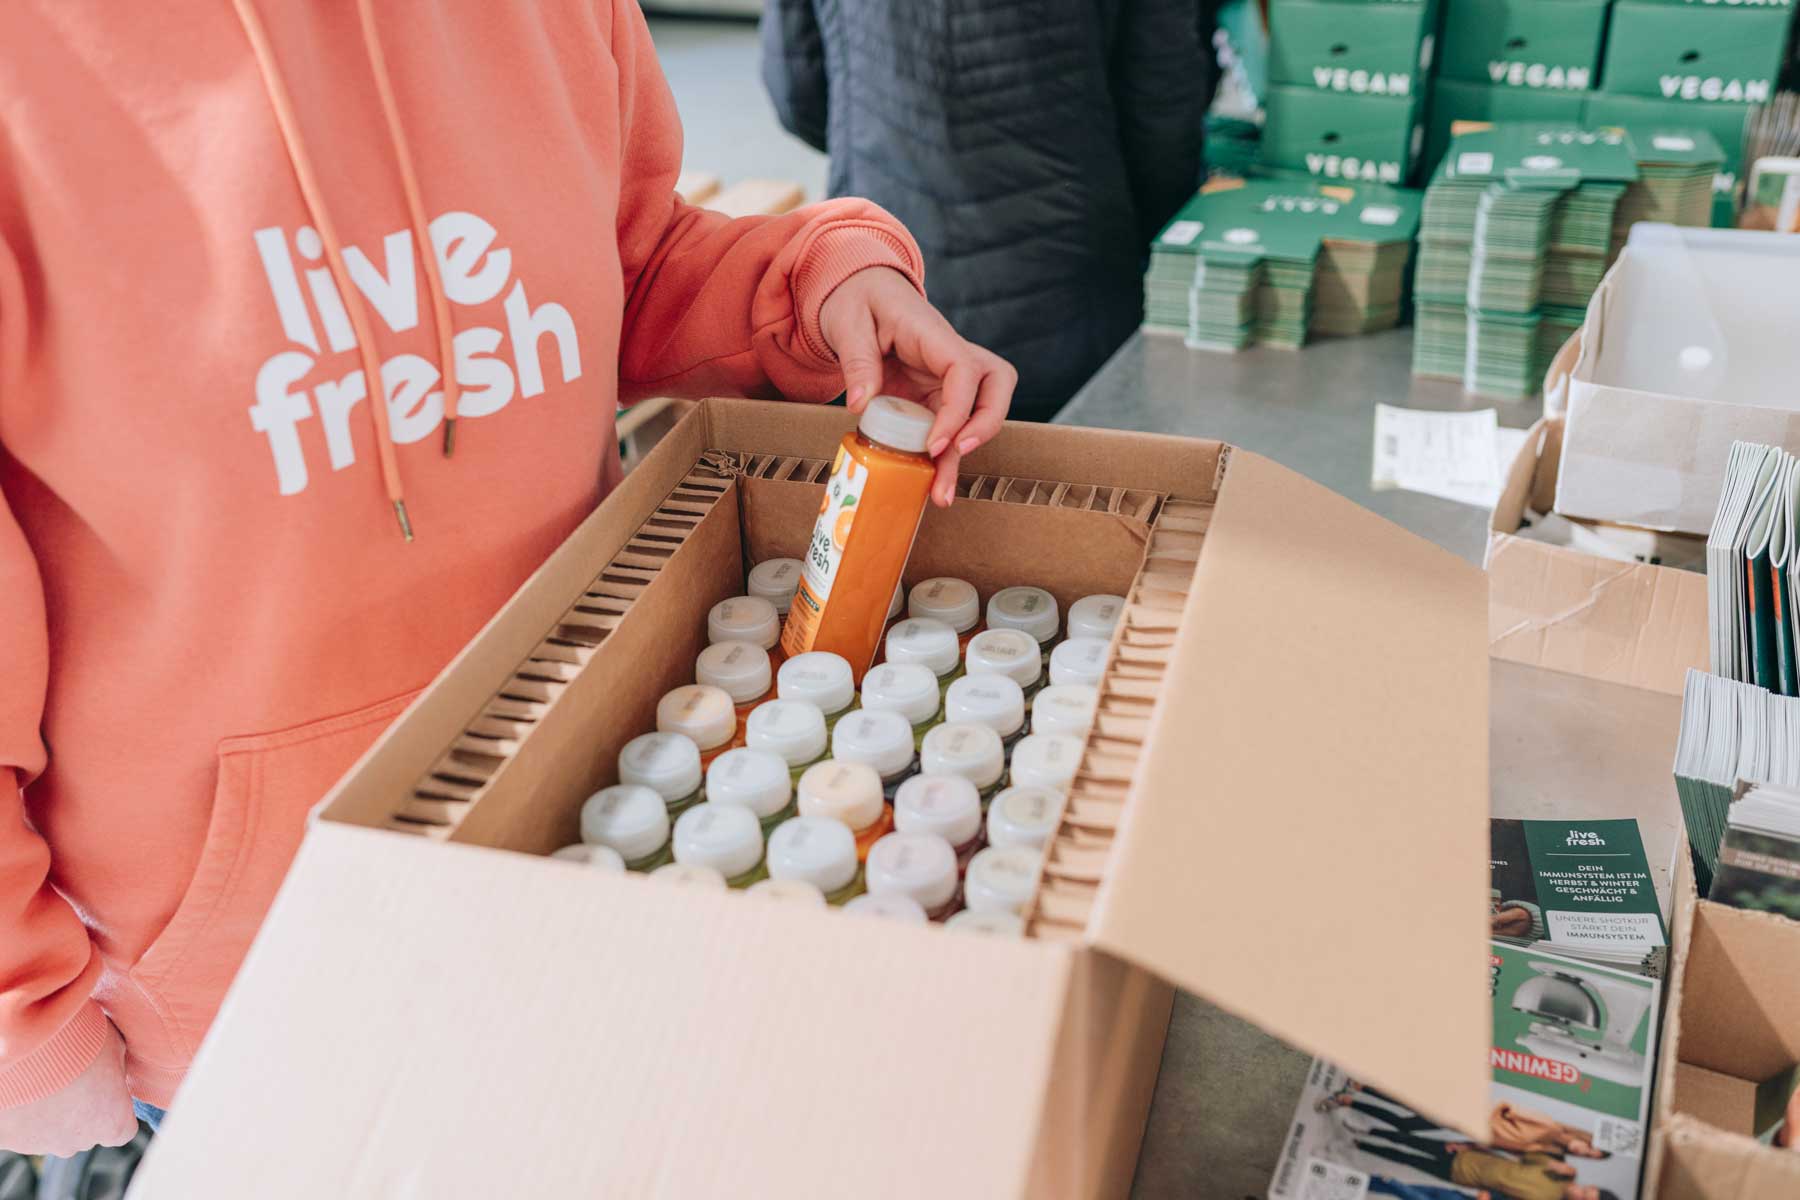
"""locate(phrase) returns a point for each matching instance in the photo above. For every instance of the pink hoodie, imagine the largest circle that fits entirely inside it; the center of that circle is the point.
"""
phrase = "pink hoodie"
(214, 222)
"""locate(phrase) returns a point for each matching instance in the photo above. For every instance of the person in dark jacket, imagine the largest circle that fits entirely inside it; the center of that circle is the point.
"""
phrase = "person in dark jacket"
(1034, 149)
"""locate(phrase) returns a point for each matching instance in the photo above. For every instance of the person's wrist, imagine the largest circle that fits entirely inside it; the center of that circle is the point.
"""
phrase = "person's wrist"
(837, 255)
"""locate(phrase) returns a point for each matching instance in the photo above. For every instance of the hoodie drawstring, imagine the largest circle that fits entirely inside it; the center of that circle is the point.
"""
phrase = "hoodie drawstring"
(313, 197)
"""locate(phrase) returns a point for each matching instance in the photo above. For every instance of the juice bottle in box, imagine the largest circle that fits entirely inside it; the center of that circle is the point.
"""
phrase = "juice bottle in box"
(879, 483)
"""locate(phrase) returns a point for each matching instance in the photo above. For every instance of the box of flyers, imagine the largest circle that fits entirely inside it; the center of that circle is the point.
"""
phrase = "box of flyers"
(476, 1019)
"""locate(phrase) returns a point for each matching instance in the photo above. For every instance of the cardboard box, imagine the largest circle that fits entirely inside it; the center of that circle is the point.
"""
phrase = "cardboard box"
(1453, 101)
(1724, 121)
(1633, 623)
(1352, 47)
(1731, 1021)
(1360, 139)
(1692, 52)
(1539, 45)
(1660, 390)
(1297, 689)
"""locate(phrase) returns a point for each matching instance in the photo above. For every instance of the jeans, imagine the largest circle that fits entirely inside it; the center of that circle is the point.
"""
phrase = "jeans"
(149, 1114)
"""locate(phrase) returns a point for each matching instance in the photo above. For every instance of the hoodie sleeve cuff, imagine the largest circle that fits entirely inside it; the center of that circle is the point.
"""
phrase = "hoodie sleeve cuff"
(837, 252)
(58, 1062)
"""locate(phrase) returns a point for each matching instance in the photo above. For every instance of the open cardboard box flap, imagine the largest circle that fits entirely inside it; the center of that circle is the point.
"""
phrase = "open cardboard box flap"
(1305, 843)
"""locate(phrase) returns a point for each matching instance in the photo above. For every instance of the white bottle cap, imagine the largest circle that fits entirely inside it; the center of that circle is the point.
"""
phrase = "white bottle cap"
(892, 905)
(960, 748)
(906, 688)
(796, 891)
(739, 669)
(744, 619)
(725, 837)
(991, 700)
(952, 601)
(604, 858)
(1024, 816)
(689, 875)
(816, 849)
(818, 676)
(897, 423)
(849, 792)
(702, 714)
(947, 806)
(777, 579)
(1008, 652)
(895, 603)
(920, 865)
(1046, 760)
(666, 762)
(794, 729)
(1095, 616)
(1002, 878)
(1004, 924)
(756, 779)
(880, 737)
(1080, 660)
(1031, 609)
(928, 643)
(1064, 708)
(630, 818)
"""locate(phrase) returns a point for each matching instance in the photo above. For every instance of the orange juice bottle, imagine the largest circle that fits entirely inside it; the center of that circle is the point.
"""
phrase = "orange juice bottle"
(873, 501)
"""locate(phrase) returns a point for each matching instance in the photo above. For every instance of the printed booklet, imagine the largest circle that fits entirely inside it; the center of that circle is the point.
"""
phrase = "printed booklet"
(1572, 1059)
(1580, 887)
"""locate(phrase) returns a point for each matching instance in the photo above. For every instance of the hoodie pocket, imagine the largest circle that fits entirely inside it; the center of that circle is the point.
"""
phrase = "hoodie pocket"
(266, 785)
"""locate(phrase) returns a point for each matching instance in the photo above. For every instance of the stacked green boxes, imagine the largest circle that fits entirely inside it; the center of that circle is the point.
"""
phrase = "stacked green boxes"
(1515, 60)
(1348, 83)
(1694, 64)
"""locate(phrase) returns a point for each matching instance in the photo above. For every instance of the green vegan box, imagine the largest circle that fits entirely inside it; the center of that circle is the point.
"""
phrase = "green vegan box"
(1453, 100)
(1723, 120)
(1362, 139)
(1365, 49)
(1552, 45)
(1696, 52)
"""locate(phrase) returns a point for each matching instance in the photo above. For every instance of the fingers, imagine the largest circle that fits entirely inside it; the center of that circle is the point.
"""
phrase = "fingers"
(956, 397)
(992, 400)
(858, 346)
(943, 487)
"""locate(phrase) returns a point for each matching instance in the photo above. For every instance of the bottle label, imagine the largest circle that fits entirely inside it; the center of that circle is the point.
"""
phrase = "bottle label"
(825, 551)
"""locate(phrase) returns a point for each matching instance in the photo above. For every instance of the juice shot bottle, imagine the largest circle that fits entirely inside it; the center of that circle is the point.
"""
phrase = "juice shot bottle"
(971, 751)
(741, 670)
(946, 806)
(868, 518)
(1095, 616)
(600, 858)
(630, 819)
(1024, 816)
(918, 865)
(1008, 652)
(1064, 708)
(1031, 610)
(789, 891)
(793, 729)
(725, 837)
(991, 700)
(775, 580)
(704, 715)
(666, 763)
(952, 601)
(1046, 760)
(818, 677)
(746, 619)
(820, 851)
(850, 793)
(928, 643)
(908, 689)
(758, 780)
(892, 906)
(1079, 660)
(881, 738)
(1002, 879)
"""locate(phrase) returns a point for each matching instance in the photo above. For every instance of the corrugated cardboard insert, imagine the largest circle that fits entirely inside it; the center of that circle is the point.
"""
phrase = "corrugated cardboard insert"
(1296, 710)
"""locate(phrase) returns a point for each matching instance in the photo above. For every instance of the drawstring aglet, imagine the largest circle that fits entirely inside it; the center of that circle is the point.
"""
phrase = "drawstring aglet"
(405, 522)
(449, 436)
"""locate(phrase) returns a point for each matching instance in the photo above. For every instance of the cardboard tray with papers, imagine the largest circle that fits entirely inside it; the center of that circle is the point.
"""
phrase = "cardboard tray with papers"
(1297, 697)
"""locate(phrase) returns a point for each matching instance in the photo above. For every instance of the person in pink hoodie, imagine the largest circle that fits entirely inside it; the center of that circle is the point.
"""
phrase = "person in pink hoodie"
(223, 566)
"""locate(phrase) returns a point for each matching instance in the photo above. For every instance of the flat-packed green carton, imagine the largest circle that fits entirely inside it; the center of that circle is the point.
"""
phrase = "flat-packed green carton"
(1352, 47)
(1695, 52)
(1534, 45)
(1359, 139)
(1453, 100)
(1724, 121)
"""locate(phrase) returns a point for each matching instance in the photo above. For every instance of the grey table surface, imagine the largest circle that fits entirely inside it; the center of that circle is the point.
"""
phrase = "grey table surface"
(1226, 1090)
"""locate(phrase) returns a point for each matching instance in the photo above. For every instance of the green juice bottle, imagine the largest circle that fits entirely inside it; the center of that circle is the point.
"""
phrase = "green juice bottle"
(1031, 610)
(820, 851)
(630, 819)
(881, 738)
(757, 779)
(928, 643)
(1046, 760)
(966, 749)
(1008, 652)
(792, 729)
(666, 763)
(725, 837)
(991, 700)
(818, 677)
(908, 689)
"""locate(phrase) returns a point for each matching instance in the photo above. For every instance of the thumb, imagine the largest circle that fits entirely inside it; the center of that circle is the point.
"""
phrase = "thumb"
(858, 349)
